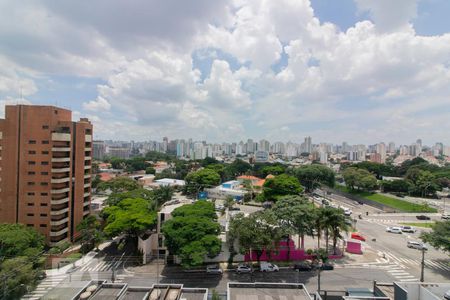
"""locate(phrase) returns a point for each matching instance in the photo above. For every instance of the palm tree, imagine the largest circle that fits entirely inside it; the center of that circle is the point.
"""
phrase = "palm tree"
(337, 225)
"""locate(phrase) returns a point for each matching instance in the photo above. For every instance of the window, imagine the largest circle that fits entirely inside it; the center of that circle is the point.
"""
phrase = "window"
(44, 152)
(31, 173)
(44, 163)
(30, 183)
(31, 162)
(29, 225)
(43, 204)
(43, 225)
(44, 194)
(30, 193)
(32, 142)
(43, 215)
(56, 112)
(44, 126)
(44, 173)
(31, 152)
(45, 142)
(30, 215)
(30, 204)
(44, 183)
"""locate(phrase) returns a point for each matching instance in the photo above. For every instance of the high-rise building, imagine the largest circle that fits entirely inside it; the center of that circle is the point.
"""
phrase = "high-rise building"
(264, 145)
(98, 149)
(308, 144)
(45, 170)
(381, 149)
(391, 148)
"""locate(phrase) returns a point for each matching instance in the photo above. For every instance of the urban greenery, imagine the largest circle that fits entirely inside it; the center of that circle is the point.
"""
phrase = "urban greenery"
(439, 237)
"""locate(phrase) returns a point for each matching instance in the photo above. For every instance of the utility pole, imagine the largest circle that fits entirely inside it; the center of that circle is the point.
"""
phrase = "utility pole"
(422, 265)
(318, 280)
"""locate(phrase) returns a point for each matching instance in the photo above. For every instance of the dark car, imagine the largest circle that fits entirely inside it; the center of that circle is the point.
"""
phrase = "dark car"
(325, 202)
(327, 266)
(423, 217)
(303, 267)
(234, 208)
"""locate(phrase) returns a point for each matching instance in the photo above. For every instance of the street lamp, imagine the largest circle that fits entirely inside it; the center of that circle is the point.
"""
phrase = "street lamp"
(422, 271)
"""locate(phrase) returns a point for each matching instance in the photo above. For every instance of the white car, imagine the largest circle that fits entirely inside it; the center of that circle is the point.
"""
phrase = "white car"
(408, 229)
(213, 269)
(219, 207)
(416, 245)
(242, 268)
(445, 216)
(268, 267)
(347, 212)
(394, 230)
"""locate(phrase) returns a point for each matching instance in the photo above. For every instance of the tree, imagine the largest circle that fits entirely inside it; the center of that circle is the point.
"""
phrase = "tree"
(336, 223)
(162, 194)
(229, 202)
(119, 185)
(118, 163)
(360, 179)
(192, 233)
(258, 232)
(425, 183)
(311, 176)
(439, 237)
(17, 274)
(281, 185)
(115, 198)
(150, 170)
(132, 216)
(198, 180)
(236, 168)
(19, 240)
(90, 233)
(296, 214)
(396, 186)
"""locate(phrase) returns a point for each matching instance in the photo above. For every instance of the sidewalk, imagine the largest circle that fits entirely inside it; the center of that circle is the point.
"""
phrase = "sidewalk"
(77, 264)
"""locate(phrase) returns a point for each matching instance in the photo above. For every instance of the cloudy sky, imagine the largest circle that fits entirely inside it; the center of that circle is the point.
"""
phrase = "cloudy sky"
(361, 71)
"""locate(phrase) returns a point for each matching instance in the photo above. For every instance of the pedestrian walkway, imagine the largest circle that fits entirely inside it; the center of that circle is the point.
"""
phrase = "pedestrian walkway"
(429, 263)
(45, 286)
(102, 266)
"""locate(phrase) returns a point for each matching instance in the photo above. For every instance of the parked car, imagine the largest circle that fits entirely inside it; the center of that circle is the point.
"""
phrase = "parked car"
(445, 216)
(394, 230)
(416, 245)
(447, 295)
(234, 208)
(347, 211)
(219, 207)
(303, 266)
(423, 217)
(265, 266)
(214, 269)
(325, 202)
(243, 268)
(327, 266)
(408, 229)
(357, 236)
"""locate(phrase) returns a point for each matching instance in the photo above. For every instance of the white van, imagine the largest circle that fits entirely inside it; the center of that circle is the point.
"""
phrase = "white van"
(268, 267)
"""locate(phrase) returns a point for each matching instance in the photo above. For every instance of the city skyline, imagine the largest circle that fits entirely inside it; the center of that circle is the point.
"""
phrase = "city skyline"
(356, 71)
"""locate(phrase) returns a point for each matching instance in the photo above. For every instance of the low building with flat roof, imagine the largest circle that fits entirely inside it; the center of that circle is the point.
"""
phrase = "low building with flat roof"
(267, 291)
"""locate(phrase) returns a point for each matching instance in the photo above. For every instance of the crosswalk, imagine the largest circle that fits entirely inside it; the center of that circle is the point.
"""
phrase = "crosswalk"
(103, 266)
(45, 286)
(429, 263)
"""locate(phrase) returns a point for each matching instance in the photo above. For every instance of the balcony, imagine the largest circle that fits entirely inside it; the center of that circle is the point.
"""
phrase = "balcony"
(87, 167)
(87, 185)
(60, 180)
(87, 158)
(88, 138)
(60, 201)
(60, 159)
(61, 149)
(59, 222)
(59, 191)
(86, 203)
(87, 176)
(86, 212)
(64, 137)
(86, 194)
(58, 233)
(58, 212)
(60, 170)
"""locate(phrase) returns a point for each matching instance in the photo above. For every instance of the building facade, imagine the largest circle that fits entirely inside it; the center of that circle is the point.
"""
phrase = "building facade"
(45, 170)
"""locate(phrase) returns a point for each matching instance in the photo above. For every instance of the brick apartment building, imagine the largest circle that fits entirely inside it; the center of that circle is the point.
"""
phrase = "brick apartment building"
(45, 170)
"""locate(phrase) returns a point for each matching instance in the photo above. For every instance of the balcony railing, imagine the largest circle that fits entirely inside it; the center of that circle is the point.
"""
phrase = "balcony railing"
(65, 137)
(88, 138)
(60, 170)
(86, 212)
(60, 201)
(59, 222)
(86, 194)
(59, 191)
(58, 212)
(58, 233)
(60, 180)
(60, 159)
(87, 167)
(61, 149)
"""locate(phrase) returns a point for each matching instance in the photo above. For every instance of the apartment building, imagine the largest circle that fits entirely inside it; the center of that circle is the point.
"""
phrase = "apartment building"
(45, 170)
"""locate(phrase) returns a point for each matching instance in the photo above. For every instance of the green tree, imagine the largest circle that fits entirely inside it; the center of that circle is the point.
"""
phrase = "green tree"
(258, 232)
(119, 185)
(360, 179)
(396, 186)
(276, 169)
(236, 168)
(439, 237)
(162, 194)
(132, 216)
(90, 233)
(150, 170)
(229, 202)
(296, 214)
(199, 180)
(192, 233)
(311, 176)
(118, 163)
(115, 198)
(281, 185)
(425, 183)
(337, 225)
(19, 240)
(17, 274)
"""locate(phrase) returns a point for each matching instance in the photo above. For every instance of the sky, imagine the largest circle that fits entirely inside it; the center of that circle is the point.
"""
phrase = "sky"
(361, 71)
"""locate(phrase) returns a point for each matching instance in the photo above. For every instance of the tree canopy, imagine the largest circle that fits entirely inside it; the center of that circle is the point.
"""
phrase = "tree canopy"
(19, 240)
(119, 185)
(201, 179)
(311, 176)
(439, 237)
(281, 185)
(360, 179)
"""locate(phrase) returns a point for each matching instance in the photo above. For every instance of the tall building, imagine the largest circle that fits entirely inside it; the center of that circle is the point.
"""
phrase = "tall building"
(264, 145)
(308, 144)
(381, 149)
(98, 149)
(391, 148)
(45, 170)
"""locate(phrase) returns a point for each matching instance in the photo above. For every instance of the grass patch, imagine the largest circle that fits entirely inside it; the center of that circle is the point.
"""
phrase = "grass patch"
(424, 225)
(401, 205)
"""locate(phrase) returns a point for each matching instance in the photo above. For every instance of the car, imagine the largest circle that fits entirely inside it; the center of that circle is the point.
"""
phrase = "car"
(409, 229)
(325, 202)
(347, 212)
(416, 245)
(394, 230)
(268, 267)
(423, 217)
(243, 268)
(357, 236)
(445, 216)
(447, 295)
(327, 266)
(303, 266)
(234, 208)
(348, 221)
(214, 269)
(219, 207)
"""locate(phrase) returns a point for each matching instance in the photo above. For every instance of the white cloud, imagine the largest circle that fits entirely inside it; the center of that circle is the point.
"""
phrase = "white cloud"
(99, 104)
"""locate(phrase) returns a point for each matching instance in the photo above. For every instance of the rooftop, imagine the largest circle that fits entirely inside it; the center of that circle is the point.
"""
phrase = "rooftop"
(267, 291)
